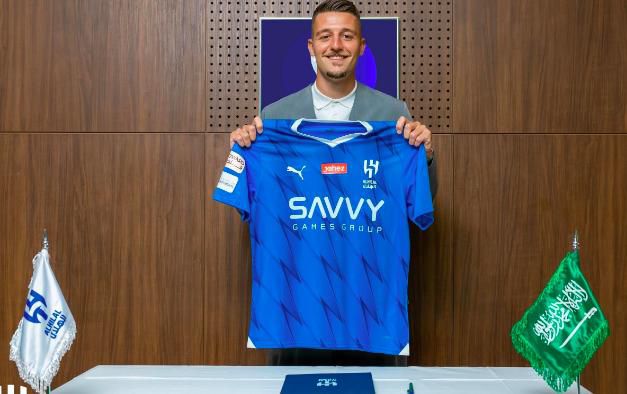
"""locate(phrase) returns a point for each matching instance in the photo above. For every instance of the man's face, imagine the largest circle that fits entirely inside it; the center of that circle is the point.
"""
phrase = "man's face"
(336, 43)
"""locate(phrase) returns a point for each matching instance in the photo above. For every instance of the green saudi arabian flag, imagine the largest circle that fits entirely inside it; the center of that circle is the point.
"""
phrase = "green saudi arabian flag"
(563, 328)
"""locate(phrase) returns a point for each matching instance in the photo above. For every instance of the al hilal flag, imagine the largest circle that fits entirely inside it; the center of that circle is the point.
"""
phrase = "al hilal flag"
(563, 328)
(46, 330)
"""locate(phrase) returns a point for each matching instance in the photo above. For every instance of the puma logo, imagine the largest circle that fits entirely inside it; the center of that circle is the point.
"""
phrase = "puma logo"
(297, 172)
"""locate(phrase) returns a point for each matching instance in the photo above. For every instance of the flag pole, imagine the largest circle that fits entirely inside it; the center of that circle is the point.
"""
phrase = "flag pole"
(45, 244)
(576, 248)
(44, 241)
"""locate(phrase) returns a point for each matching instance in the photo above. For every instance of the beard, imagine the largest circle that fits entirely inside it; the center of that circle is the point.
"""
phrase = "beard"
(339, 75)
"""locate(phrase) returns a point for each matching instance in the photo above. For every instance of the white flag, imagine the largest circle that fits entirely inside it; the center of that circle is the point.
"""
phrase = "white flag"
(46, 330)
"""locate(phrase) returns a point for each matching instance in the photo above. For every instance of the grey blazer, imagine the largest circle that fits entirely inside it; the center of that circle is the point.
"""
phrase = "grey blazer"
(369, 104)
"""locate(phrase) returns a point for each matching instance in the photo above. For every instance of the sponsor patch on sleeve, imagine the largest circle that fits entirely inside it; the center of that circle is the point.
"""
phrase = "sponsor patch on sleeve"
(227, 182)
(235, 162)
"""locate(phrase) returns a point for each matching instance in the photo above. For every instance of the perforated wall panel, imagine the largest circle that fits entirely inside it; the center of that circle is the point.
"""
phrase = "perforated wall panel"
(232, 57)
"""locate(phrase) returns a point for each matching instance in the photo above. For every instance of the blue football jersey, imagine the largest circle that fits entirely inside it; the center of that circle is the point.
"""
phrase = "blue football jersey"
(328, 205)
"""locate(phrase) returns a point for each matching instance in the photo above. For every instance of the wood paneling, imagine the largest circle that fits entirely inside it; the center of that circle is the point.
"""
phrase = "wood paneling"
(430, 288)
(128, 65)
(518, 200)
(474, 62)
(227, 273)
(533, 66)
(26, 58)
(125, 218)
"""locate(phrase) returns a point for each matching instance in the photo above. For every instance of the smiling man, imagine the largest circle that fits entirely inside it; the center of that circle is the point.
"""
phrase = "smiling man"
(336, 43)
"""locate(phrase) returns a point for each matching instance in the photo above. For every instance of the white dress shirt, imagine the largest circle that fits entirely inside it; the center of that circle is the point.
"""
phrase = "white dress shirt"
(327, 108)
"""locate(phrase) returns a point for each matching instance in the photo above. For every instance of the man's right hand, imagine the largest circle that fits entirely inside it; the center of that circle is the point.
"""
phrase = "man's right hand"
(247, 134)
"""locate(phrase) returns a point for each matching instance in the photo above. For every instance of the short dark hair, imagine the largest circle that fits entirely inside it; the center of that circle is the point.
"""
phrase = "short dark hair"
(335, 6)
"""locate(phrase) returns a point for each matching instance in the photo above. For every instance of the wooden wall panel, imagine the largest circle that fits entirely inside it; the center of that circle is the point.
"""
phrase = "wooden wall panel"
(474, 64)
(532, 66)
(128, 65)
(15, 266)
(26, 58)
(124, 214)
(430, 290)
(516, 207)
(228, 271)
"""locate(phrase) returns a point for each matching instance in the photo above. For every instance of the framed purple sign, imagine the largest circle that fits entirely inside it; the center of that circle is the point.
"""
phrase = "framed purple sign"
(286, 67)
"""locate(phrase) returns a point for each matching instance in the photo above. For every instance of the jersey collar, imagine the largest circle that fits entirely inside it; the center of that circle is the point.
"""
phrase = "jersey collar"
(365, 127)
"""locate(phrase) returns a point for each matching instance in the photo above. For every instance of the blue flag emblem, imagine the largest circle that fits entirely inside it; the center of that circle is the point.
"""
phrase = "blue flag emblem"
(35, 308)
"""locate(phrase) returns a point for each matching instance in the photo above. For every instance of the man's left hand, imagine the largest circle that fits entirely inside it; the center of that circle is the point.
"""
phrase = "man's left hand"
(415, 133)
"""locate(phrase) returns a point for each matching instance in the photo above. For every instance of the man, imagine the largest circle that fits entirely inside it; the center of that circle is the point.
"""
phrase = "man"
(337, 43)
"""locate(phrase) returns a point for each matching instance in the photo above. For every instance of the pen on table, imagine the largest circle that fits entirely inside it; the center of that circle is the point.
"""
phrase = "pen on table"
(411, 388)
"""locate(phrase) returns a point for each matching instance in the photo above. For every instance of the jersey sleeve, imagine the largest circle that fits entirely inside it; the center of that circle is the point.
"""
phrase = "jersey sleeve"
(233, 187)
(417, 190)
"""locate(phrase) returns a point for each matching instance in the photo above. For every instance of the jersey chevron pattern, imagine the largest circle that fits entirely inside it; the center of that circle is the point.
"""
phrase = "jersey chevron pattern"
(328, 205)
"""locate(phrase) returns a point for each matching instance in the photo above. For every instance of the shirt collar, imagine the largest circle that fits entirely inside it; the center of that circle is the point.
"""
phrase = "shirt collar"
(320, 101)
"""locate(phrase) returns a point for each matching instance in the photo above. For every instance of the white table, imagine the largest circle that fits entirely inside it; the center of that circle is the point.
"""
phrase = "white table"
(162, 379)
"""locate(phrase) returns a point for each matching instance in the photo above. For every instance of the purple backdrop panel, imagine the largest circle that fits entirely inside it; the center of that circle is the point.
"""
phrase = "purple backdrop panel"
(286, 67)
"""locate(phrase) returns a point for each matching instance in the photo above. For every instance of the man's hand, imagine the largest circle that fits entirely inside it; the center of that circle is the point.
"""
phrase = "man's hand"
(416, 133)
(244, 136)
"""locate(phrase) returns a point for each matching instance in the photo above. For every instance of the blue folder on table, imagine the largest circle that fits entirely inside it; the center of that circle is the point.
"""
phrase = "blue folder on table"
(327, 383)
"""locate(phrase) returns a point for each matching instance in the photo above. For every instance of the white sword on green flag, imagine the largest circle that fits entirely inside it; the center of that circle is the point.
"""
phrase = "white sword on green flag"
(588, 315)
